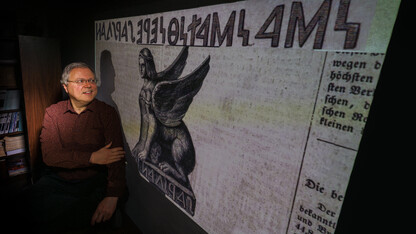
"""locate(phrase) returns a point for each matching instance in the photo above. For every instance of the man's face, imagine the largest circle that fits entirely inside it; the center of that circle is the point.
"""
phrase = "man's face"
(81, 94)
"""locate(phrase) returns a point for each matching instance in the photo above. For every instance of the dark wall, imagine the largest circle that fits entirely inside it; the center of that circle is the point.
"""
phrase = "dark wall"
(376, 194)
(368, 197)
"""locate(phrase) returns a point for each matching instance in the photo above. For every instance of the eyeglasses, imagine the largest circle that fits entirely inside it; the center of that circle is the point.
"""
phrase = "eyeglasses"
(83, 82)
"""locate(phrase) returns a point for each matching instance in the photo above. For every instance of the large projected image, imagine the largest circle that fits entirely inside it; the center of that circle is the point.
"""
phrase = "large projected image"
(247, 116)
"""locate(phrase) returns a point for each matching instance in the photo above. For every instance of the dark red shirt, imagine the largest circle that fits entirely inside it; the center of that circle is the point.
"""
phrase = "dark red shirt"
(68, 139)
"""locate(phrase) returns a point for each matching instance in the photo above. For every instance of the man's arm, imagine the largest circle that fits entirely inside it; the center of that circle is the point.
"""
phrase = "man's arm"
(116, 173)
(107, 155)
(104, 210)
(55, 155)
(116, 170)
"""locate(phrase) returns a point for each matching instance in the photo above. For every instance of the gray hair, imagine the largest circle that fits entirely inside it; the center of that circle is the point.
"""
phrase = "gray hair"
(69, 67)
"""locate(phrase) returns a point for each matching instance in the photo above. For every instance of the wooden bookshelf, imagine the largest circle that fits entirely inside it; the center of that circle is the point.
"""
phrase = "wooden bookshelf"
(10, 82)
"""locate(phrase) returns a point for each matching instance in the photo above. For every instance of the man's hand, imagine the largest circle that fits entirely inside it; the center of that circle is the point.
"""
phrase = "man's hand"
(104, 210)
(106, 155)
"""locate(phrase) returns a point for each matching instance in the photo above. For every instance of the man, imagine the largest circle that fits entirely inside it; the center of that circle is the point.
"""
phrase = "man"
(81, 142)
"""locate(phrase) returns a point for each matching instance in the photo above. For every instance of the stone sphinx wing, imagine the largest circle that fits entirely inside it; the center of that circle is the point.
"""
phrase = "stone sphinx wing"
(175, 69)
(171, 99)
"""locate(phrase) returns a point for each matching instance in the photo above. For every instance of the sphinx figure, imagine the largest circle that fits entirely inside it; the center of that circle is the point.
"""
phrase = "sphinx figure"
(164, 100)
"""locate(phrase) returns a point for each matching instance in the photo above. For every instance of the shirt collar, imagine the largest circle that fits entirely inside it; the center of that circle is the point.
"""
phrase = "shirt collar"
(91, 107)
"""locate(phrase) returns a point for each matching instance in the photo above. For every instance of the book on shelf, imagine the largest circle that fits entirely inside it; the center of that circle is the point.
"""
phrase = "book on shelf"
(11, 149)
(11, 122)
(14, 144)
(17, 165)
